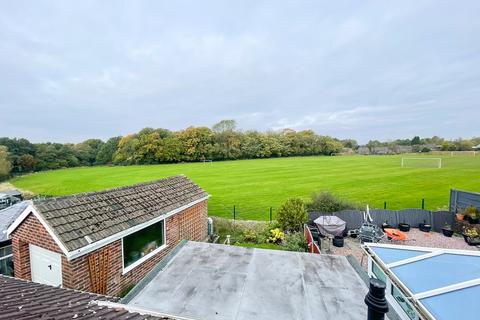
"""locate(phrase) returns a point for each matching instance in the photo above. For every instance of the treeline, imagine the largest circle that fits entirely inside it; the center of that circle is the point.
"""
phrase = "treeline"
(221, 142)
(428, 144)
(150, 146)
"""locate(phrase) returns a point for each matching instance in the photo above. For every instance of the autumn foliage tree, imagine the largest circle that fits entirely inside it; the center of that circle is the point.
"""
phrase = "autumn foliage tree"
(5, 165)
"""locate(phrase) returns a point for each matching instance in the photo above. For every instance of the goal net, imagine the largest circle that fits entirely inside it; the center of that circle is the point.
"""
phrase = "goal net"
(421, 163)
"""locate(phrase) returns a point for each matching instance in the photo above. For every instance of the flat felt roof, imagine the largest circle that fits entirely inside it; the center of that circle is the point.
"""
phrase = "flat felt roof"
(444, 282)
(213, 281)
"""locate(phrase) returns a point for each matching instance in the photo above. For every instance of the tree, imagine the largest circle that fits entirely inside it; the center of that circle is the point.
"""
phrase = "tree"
(26, 163)
(463, 145)
(329, 145)
(170, 150)
(55, 156)
(350, 143)
(197, 143)
(224, 125)
(416, 141)
(148, 145)
(292, 215)
(107, 150)
(372, 144)
(87, 151)
(227, 141)
(125, 153)
(16, 148)
(5, 164)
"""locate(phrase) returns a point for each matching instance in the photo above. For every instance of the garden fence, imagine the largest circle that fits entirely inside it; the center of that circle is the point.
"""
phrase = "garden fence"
(354, 218)
(462, 199)
(239, 211)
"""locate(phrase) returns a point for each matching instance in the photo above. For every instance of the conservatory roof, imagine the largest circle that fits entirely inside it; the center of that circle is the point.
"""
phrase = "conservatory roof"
(441, 283)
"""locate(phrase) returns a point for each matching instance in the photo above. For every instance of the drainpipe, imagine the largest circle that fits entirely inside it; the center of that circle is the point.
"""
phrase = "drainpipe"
(375, 300)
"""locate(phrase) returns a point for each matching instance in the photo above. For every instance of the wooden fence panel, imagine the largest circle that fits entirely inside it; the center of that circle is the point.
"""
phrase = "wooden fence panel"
(381, 216)
(440, 218)
(462, 199)
(353, 218)
(414, 217)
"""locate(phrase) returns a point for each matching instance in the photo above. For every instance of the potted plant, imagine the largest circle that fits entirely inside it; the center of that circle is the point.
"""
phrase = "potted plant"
(471, 236)
(459, 215)
(472, 215)
(447, 230)
(404, 227)
(425, 227)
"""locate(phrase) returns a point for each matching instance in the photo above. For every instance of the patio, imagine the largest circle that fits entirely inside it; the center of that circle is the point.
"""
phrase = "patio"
(211, 281)
(416, 238)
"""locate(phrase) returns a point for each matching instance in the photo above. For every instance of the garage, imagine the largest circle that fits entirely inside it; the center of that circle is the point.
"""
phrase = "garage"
(46, 266)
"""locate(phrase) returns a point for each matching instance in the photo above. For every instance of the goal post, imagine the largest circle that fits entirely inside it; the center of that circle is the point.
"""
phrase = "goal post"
(421, 162)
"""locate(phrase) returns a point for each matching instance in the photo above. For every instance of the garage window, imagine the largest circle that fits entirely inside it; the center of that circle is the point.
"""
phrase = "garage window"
(141, 245)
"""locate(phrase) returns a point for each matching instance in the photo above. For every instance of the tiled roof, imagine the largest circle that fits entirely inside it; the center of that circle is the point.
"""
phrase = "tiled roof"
(20, 299)
(99, 215)
(8, 216)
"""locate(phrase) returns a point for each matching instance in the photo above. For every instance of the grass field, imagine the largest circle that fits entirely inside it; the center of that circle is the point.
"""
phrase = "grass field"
(256, 185)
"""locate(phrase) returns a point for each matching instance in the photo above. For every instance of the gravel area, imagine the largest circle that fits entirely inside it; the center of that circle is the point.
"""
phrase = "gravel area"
(415, 238)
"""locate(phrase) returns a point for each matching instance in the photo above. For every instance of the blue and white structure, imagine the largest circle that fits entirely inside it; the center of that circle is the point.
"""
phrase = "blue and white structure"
(427, 283)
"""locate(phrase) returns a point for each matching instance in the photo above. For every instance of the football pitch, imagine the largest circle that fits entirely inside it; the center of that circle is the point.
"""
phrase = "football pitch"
(254, 186)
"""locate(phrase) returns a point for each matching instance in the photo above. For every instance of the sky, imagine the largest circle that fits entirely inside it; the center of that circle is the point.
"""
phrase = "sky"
(70, 71)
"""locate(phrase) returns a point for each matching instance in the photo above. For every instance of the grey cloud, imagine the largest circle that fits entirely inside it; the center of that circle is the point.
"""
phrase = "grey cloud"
(370, 69)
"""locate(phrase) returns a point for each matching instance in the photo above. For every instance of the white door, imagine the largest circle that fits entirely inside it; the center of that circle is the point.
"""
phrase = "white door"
(46, 266)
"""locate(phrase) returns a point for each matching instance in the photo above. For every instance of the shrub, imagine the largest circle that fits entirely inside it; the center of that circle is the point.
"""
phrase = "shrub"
(472, 212)
(327, 202)
(295, 242)
(292, 215)
(471, 232)
(276, 236)
(249, 236)
(238, 228)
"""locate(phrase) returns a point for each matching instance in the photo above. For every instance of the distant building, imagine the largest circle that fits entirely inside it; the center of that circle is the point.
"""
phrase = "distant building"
(382, 150)
(347, 151)
(14, 193)
(363, 150)
(9, 197)
(402, 149)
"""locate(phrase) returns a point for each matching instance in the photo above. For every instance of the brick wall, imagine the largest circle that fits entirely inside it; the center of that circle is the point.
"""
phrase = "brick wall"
(30, 231)
(190, 224)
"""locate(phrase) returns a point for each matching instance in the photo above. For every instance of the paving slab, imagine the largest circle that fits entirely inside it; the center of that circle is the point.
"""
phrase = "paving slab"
(213, 281)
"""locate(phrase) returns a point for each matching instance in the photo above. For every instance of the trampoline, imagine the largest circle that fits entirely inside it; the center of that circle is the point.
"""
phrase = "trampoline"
(427, 283)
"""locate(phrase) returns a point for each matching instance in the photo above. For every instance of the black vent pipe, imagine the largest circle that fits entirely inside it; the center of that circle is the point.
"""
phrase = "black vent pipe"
(375, 300)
